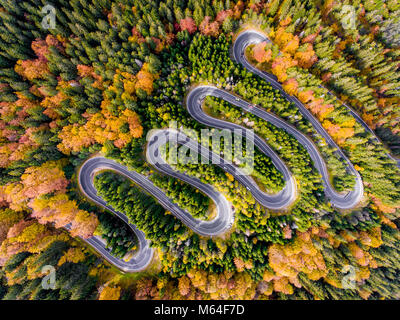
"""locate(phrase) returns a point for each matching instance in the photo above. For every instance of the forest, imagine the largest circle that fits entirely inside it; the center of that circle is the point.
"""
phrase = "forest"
(108, 72)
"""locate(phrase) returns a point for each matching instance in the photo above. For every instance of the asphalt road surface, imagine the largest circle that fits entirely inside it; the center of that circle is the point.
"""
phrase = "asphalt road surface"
(221, 223)
(250, 37)
(144, 253)
(340, 200)
(224, 217)
(278, 201)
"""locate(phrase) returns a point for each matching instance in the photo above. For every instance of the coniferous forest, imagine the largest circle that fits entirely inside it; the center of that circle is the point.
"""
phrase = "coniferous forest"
(87, 78)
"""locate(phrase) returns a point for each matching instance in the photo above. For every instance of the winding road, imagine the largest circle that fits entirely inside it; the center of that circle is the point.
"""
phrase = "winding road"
(85, 178)
(341, 201)
(224, 217)
(278, 201)
(221, 223)
(250, 37)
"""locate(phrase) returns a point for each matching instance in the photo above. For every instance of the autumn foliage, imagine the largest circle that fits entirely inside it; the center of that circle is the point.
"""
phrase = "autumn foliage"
(42, 189)
(110, 293)
(208, 27)
(260, 54)
(188, 24)
(289, 260)
(30, 236)
(304, 55)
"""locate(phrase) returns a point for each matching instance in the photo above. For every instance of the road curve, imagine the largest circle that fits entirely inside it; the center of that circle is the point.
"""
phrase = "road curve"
(224, 218)
(347, 201)
(144, 254)
(221, 223)
(278, 201)
(194, 105)
(138, 262)
(250, 37)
